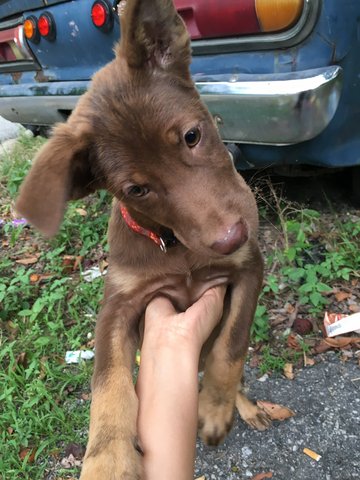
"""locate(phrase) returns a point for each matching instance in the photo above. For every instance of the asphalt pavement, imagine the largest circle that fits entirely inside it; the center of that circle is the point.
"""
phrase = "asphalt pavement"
(326, 399)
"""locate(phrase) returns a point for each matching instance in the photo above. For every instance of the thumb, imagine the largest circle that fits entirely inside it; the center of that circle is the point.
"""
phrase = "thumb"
(209, 307)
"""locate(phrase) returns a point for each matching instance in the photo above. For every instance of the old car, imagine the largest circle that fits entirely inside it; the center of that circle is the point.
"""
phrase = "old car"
(281, 78)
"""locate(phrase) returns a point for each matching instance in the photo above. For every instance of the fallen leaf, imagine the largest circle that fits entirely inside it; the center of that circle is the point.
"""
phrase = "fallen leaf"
(39, 277)
(76, 450)
(34, 278)
(81, 211)
(28, 260)
(289, 371)
(342, 342)
(341, 296)
(70, 462)
(21, 359)
(10, 430)
(201, 478)
(29, 453)
(289, 308)
(275, 411)
(308, 362)
(293, 342)
(321, 347)
(255, 361)
(337, 342)
(67, 478)
(71, 263)
(354, 308)
(261, 476)
(103, 264)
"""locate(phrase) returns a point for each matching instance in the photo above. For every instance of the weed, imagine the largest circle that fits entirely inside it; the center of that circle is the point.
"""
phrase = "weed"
(307, 260)
(14, 166)
(260, 326)
(271, 362)
(40, 321)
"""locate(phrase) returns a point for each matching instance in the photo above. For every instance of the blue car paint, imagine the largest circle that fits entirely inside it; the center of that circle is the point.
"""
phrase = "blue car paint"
(81, 49)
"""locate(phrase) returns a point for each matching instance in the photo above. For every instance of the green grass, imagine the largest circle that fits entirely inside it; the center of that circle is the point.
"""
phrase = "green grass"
(44, 403)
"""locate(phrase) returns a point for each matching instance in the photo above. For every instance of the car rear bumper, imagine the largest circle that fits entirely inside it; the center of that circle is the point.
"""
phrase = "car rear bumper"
(272, 109)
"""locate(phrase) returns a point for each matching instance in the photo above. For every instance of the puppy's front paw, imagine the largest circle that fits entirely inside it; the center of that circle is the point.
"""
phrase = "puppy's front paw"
(116, 461)
(216, 416)
(254, 416)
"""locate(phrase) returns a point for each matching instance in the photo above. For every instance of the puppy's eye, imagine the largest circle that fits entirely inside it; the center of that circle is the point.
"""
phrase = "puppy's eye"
(192, 137)
(136, 191)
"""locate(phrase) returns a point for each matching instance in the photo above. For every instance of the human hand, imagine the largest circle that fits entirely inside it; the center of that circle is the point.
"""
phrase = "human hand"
(165, 326)
(167, 385)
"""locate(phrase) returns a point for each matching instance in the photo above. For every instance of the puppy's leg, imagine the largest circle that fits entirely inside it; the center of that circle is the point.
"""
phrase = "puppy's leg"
(112, 452)
(225, 363)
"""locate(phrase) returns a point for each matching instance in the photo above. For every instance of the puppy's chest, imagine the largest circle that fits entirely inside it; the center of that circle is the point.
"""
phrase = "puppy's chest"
(183, 286)
(185, 289)
(182, 277)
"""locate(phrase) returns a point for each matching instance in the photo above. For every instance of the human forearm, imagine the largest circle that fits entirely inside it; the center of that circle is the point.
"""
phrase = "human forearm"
(168, 434)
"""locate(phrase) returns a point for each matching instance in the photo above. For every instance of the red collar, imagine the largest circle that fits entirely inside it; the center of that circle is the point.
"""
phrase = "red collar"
(163, 241)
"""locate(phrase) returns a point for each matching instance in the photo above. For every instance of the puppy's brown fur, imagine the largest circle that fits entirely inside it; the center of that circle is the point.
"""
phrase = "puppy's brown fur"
(129, 130)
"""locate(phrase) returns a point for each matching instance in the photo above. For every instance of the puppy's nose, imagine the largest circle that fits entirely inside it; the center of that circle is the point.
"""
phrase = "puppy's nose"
(233, 239)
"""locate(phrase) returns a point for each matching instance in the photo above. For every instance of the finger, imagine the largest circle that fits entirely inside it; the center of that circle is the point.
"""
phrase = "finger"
(158, 309)
(210, 306)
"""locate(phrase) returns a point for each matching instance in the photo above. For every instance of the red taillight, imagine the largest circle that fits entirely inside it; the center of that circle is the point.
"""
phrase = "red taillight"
(224, 18)
(218, 18)
(101, 15)
(98, 14)
(46, 26)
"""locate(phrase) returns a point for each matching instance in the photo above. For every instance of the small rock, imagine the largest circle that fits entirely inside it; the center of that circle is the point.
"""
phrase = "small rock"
(9, 130)
(246, 452)
(7, 146)
(263, 378)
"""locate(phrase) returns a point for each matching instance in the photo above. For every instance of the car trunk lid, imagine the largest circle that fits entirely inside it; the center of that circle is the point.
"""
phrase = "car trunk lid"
(9, 8)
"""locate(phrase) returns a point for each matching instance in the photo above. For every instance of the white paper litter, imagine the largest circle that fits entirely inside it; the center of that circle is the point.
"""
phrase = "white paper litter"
(75, 356)
(340, 324)
(92, 273)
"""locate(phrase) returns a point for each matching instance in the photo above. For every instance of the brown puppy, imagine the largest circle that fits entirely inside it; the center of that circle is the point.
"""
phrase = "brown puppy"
(143, 133)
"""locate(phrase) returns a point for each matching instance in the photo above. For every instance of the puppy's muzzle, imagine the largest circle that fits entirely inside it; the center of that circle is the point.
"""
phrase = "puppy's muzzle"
(233, 238)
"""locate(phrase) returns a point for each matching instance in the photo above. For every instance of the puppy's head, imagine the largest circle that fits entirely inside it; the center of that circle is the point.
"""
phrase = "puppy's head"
(142, 132)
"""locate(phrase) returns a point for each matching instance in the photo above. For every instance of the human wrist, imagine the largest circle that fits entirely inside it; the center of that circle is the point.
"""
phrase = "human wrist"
(170, 348)
(172, 338)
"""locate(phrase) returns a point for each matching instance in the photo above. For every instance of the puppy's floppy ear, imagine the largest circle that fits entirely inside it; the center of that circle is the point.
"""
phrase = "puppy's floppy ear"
(61, 171)
(154, 35)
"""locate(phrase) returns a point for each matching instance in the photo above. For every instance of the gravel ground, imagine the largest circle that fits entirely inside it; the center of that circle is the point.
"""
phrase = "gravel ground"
(326, 400)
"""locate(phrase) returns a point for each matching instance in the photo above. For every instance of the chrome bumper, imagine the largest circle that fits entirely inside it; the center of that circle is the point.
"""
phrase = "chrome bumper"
(273, 109)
